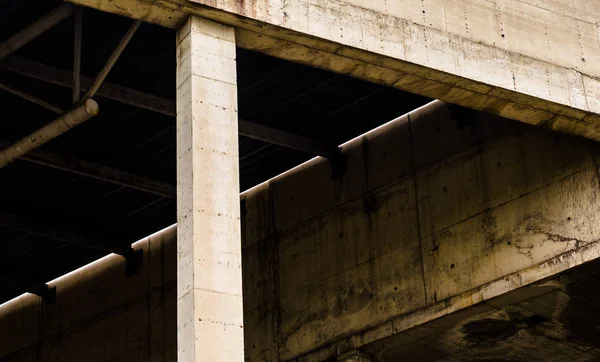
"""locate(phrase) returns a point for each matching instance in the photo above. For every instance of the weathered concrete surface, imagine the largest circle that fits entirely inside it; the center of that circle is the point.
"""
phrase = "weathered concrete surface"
(355, 356)
(101, 315)
(209, 252)
(533, 61)
(554, 320)
(440, 210)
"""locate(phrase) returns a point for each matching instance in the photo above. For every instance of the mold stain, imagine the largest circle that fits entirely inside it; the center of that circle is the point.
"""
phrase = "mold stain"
(351, 303)
(489, 330)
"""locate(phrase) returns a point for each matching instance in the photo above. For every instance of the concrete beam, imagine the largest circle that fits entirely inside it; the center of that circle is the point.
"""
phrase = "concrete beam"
(98, 172)
(441, 50)
(33, 99)
(147, 11)
(160, 105)
(209, 275)
(55, 230)
(35, 29)
(286, 139)
(64, 78)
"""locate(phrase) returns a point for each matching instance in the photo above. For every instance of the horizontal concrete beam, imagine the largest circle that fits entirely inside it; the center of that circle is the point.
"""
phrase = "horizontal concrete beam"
(51, 229)
(35, 29)
(285, 139)
(414, 48)
(64, 78)
(151, 102)
(99, 172)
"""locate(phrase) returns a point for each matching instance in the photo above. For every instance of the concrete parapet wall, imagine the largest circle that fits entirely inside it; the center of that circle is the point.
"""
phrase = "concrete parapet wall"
(100, 313)
(438, 210)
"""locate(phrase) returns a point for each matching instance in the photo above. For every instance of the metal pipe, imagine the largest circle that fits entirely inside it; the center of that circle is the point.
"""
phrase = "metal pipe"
(285, 139)
(112, 59)
(69, 120)
(77, 56)
(31, 98)
(54, 229)
(36, 28)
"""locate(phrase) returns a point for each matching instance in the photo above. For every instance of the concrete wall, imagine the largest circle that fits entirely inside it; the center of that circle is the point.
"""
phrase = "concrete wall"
(438, 210)
(100, 314)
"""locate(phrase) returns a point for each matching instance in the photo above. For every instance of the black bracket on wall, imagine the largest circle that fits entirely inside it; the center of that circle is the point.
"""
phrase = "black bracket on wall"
(133, 261)
(44, 291)
(338, 162)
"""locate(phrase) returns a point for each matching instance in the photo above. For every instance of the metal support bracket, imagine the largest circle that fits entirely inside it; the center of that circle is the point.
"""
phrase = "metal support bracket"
(338, 162)
(44, 291)
(49, 297)
(112, 59)
(355, 356)
(133, 261)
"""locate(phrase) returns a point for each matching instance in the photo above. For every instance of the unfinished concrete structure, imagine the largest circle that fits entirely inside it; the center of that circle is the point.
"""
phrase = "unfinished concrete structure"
(457, 231)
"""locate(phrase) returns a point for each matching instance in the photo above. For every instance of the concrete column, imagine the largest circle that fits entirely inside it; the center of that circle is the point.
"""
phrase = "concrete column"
(209, 274)
(355, 356)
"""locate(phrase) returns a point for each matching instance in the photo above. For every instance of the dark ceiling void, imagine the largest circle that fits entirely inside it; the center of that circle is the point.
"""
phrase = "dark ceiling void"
(111, 180)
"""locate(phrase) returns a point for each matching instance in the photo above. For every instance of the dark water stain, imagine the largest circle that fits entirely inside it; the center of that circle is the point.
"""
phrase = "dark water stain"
(532, 224)
(492, 330)
(489, 330)
(581, 321)
(365, 154)
(532, 321)
(352, 302)
(491, 231)
(246, 7)
(370, 204)
(584, 282)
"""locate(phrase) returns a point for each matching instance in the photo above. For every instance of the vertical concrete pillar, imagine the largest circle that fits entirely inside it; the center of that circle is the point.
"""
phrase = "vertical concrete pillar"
(209, 276)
